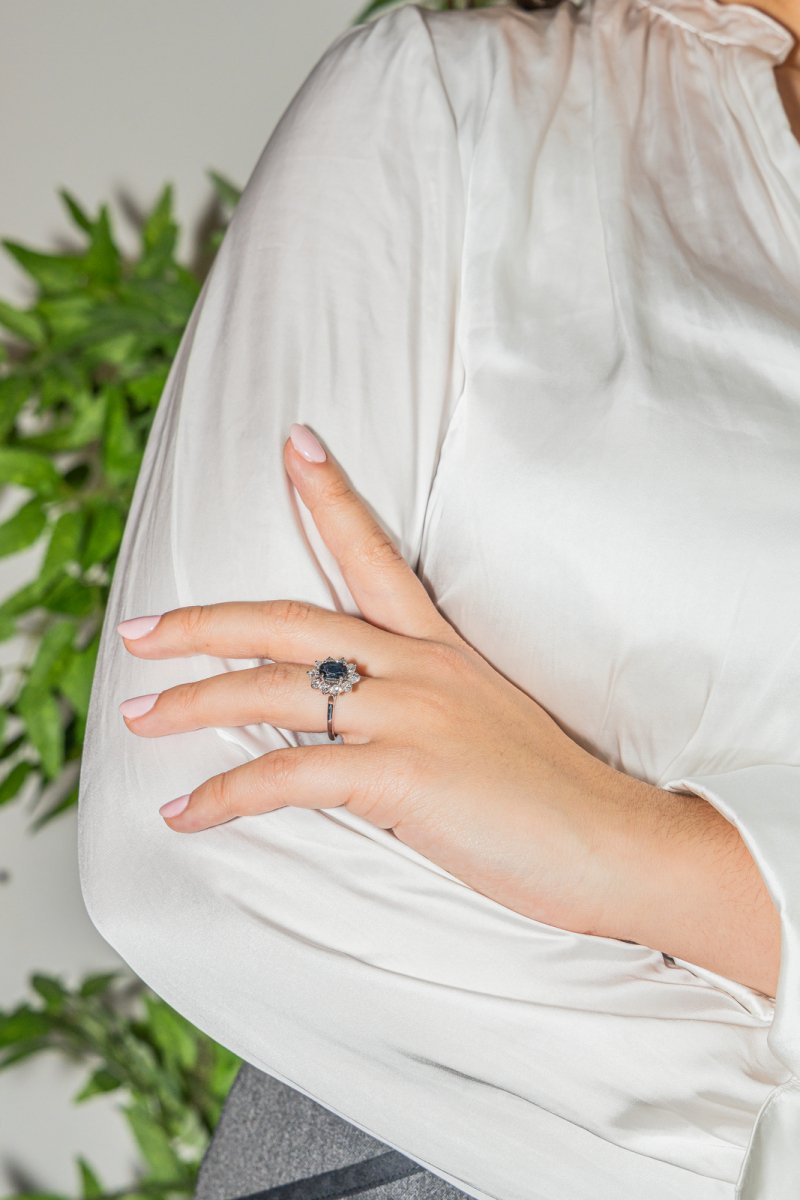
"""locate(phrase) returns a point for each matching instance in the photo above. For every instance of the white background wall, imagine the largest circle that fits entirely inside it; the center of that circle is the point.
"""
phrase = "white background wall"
(110, 100)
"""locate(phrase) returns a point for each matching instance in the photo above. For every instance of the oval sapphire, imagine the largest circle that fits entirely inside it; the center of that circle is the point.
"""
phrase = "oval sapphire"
(332, 672)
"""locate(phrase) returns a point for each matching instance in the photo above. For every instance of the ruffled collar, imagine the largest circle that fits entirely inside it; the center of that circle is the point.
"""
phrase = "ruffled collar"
(732, 24)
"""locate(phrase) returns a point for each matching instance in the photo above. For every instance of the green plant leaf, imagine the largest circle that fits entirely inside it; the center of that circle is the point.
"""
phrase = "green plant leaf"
(93, 985)
(42, 718)
(24, 599)
(22, 1050)
(45, 667)
(23, 528)
(83, 425)
(65, 543)
(24, 324)
(372, 8)
(68, 314)
(225, 1067)
(159, 222)
(175, 1037)
(91, 1188)
(51, 990)
(122, 451)
(76, 212)
(14, 391)
(53, 272)
(99, 1082)
(14, 780)
(67, 595)
(28, 469)
(10, 747)
(8, 627)
(191, 1133)
(59, 385)
(23, 1024)
(153, 1142)
(227, 192)
(159, 236)
(103, 259)
(106, 527)
(147, 389)
(75, 681)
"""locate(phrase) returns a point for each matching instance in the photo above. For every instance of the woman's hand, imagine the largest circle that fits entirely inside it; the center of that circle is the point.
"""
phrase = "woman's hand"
(438, 746)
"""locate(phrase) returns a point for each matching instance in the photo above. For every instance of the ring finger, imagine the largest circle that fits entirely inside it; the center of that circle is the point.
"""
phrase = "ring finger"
(278, 693)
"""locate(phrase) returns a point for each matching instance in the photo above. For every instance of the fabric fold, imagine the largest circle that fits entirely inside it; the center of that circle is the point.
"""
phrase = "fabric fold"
(762, 802)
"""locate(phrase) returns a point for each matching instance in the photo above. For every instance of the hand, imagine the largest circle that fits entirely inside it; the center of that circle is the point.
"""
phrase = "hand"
(438, 746)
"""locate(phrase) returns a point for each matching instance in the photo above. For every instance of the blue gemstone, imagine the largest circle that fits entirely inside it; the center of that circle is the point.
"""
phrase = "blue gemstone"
(332, 672)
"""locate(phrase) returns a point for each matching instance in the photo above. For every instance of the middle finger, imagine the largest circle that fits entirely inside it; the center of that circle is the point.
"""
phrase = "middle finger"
(278, 693)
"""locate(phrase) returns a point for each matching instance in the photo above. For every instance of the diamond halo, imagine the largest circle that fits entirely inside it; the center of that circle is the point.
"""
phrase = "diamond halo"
(331, 676)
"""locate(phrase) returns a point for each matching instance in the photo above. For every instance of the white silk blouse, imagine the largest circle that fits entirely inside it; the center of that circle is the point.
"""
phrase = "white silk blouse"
(534, 280)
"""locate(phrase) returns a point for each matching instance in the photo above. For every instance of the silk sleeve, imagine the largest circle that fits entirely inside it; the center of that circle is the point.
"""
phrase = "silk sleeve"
(763, 802)
(333, 301)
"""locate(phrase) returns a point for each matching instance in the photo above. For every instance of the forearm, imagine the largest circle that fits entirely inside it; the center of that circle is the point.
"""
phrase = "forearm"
(685, 883)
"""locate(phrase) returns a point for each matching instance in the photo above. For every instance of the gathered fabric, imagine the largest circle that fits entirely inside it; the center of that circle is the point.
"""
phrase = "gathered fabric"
(534, 280)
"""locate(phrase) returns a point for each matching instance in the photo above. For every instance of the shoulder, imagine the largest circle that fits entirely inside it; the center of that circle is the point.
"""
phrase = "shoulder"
(416, 89)
(410, 64)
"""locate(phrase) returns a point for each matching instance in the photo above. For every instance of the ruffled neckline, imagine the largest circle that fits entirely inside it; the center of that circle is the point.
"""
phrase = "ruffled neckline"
(745, 29)
(734, 24)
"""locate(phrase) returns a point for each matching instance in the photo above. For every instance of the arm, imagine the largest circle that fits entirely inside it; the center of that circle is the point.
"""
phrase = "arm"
(688, 885)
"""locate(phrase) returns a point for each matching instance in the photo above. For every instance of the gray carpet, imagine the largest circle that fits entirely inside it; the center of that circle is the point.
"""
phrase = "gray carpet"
(271, 1136)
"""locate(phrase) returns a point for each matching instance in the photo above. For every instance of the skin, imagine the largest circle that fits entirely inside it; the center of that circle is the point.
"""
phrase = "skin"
(482, 781)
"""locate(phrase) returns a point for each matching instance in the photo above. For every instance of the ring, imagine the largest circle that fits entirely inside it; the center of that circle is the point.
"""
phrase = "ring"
(333, 676)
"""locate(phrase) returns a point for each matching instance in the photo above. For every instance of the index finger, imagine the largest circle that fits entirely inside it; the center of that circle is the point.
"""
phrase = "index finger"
(387, 591)
(292, 631)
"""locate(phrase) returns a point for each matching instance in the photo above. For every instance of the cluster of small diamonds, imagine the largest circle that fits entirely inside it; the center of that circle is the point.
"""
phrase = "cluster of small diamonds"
(346, 680)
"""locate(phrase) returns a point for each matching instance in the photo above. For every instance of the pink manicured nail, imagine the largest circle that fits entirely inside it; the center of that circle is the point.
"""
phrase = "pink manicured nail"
(306, 444)
(173, 807)
(137, 627)
(137, 706)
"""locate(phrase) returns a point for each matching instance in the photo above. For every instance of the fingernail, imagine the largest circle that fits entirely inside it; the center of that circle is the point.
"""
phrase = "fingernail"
(137, 706)
(173, 807)
(306, 444)
(137, 627)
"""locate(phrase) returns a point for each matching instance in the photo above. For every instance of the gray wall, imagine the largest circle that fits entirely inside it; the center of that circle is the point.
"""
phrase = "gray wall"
(111, 100)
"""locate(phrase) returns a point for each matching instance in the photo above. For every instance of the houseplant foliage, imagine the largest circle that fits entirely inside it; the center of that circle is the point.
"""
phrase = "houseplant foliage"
(172, 1079)
(81, 373)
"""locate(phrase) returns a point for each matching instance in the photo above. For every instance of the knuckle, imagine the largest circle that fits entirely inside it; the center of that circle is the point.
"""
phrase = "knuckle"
(335, 491)
(275, 681)
(186, 698)
(434, 688)
(279, 770)
(377, 549)
(445, 658)
(195, 622)
(222, 794)
(386, 790)
(288, 614)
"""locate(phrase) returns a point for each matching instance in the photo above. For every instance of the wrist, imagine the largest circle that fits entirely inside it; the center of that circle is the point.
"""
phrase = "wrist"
(682, 880)
(631, 827)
